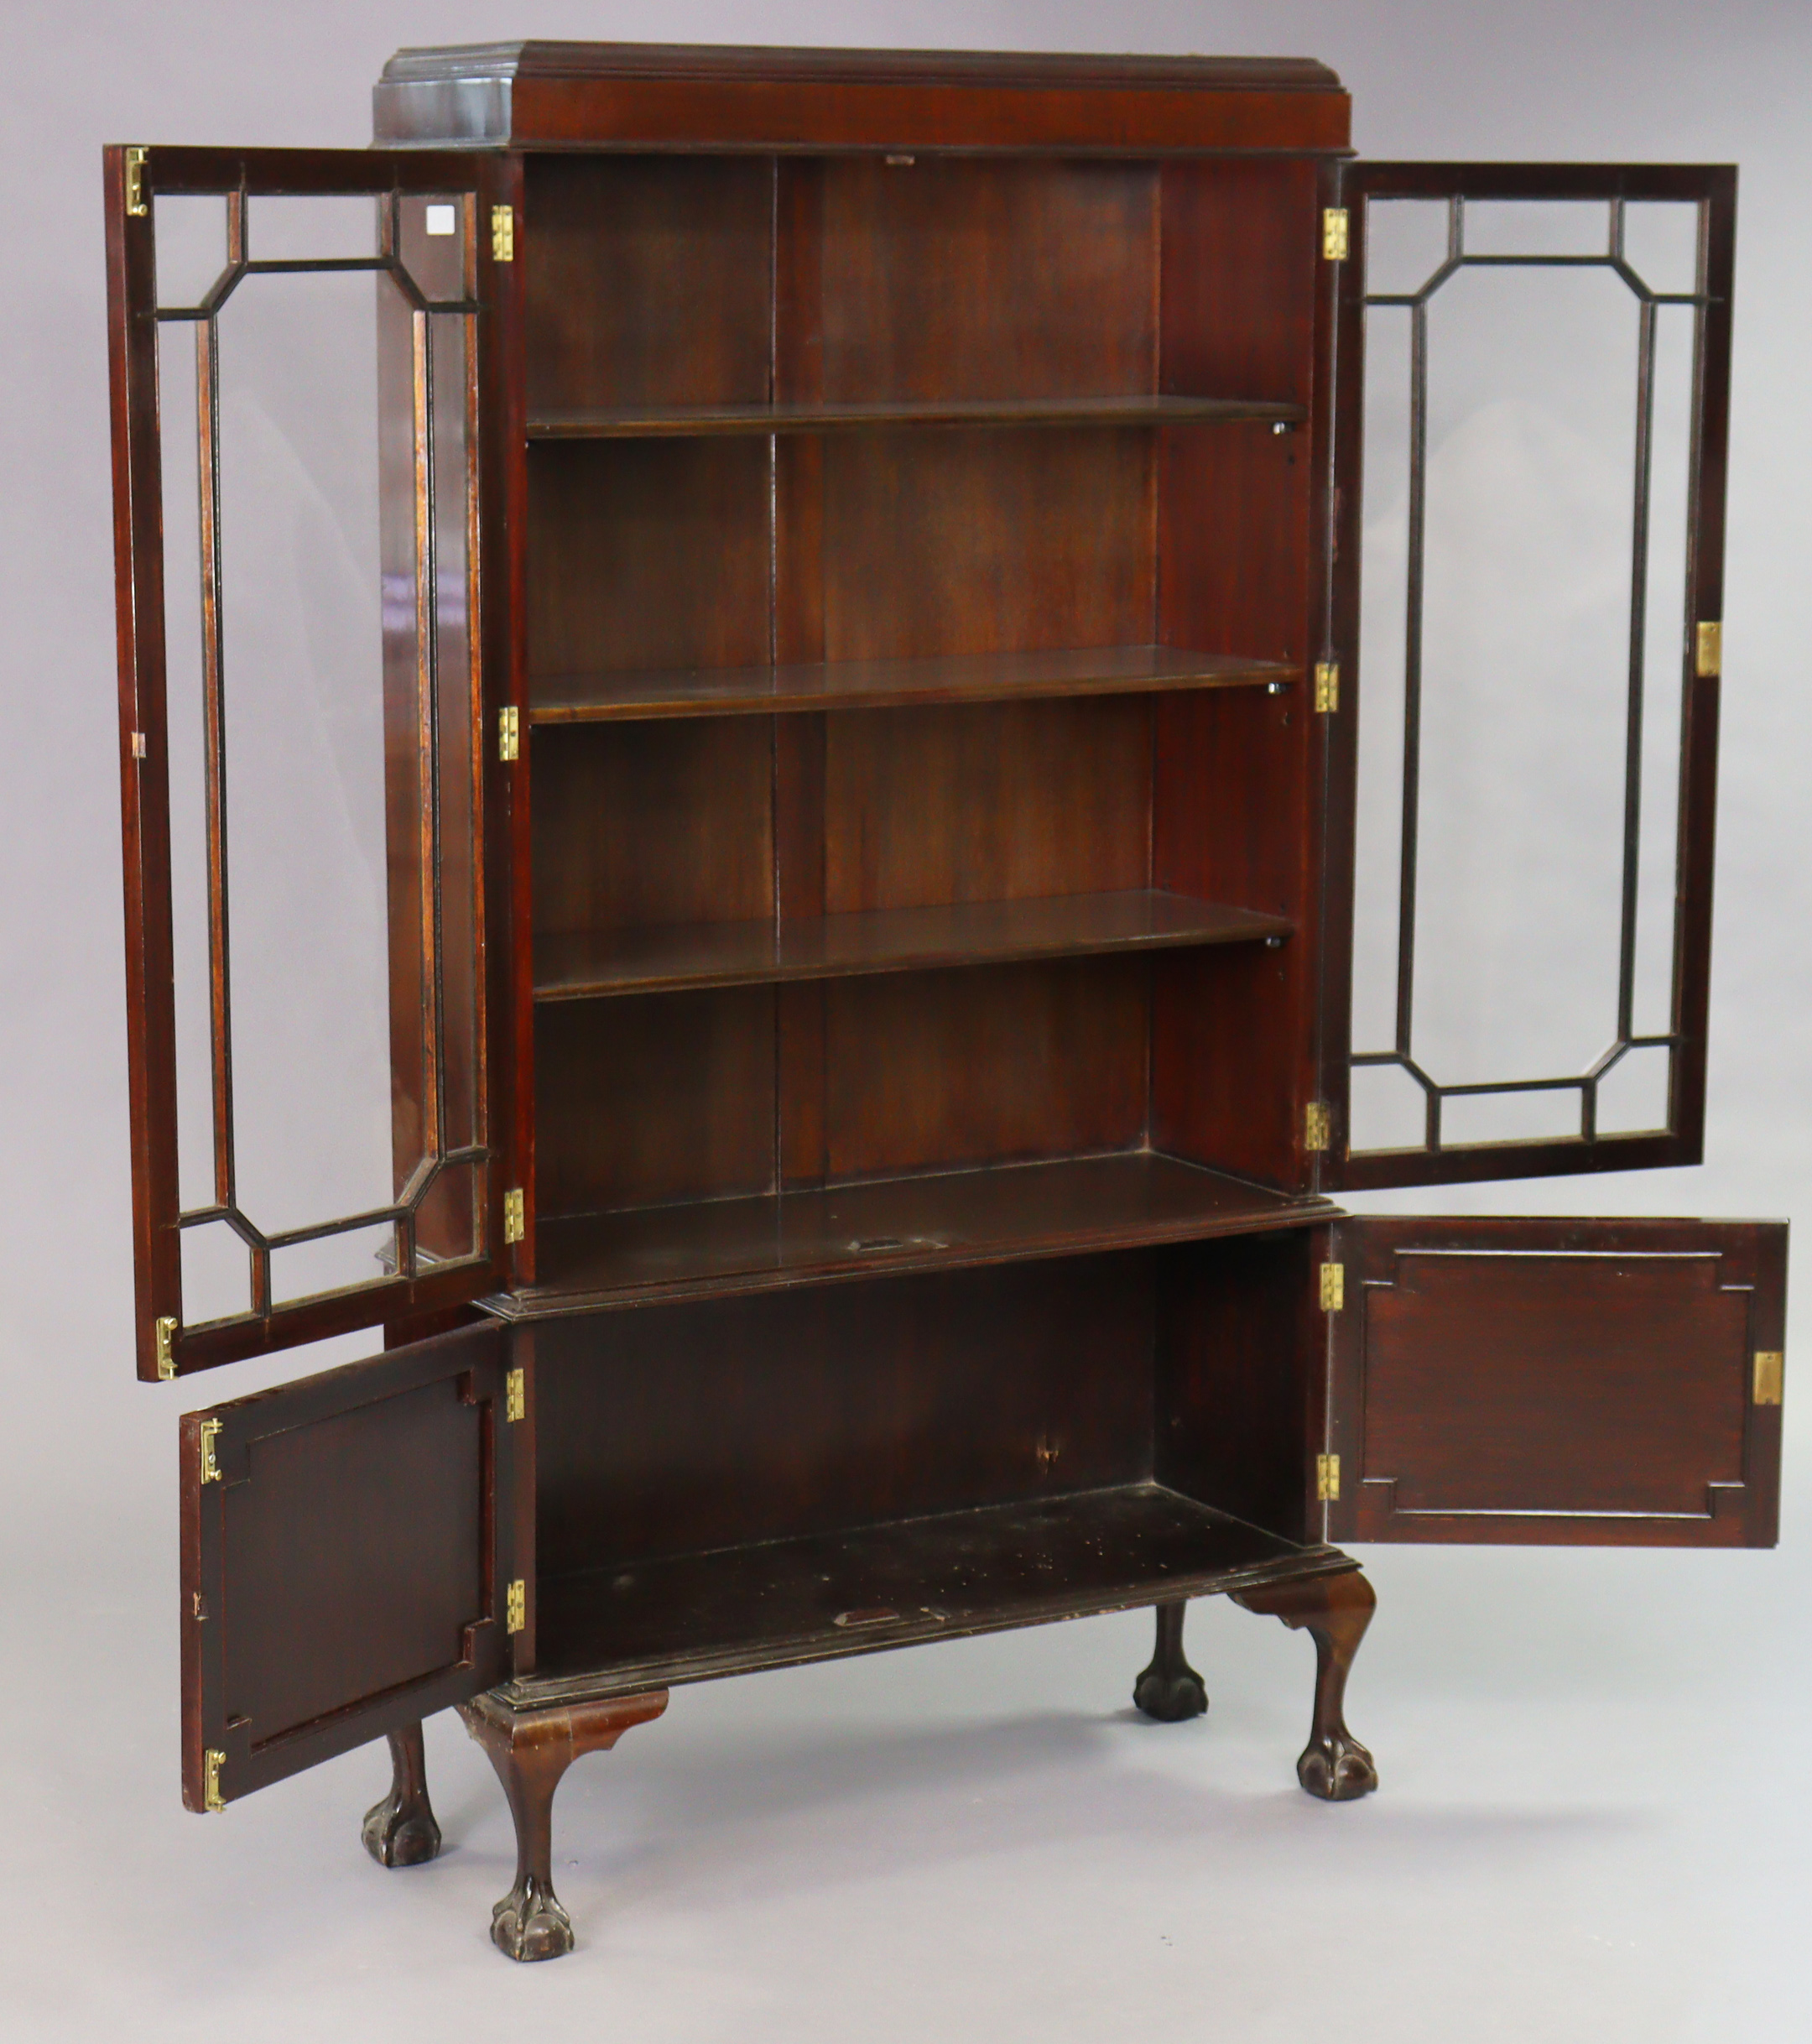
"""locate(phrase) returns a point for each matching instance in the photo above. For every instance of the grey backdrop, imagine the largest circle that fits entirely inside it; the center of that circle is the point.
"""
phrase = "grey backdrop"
(1595, 1797)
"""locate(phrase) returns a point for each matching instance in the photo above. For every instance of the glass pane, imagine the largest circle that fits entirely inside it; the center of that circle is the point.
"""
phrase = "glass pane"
(1509, 1117)
(191, 246)
(1632, 1095)
(217, 1274)
(1661, 243)
(1387, 1110)
(332, 870)
(1527, 472)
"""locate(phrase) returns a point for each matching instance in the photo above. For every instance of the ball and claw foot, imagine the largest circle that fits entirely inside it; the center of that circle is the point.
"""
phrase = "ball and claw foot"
(1334, 1610)
(530, 1924)
(531, 1749)
(1337, 1769)
(1170, 1690)
(401, 1831)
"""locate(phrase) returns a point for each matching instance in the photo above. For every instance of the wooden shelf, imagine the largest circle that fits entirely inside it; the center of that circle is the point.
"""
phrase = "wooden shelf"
(1004, 1214)
(877, 684)
(613, 1630)
(662, 422)
(577, 966)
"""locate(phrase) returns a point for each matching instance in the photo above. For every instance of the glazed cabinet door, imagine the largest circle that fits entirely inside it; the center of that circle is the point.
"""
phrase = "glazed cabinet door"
(1610, 1383)
(356, 1554)
(301, 396)
(1522, 669)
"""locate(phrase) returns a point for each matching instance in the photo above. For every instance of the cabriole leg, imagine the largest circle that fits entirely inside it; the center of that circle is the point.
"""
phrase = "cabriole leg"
(1336, 1609)
(531, 1749)
(401, 1831)
(1170, 1689)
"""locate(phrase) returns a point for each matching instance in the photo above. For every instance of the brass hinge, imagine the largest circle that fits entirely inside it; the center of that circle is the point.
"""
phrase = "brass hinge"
(1318, 1125)
(1333, 1287)
(515, 1397)
(1327, 1480)
(502, 234)
(136, 204)
(516, 1606)
(213, 1761)
(513, 1226)
(210, 1467)
(1334, 234)
(509, 732)
(1708, 652)
(166, 1326)
(1770, 1364)
(1327, 686)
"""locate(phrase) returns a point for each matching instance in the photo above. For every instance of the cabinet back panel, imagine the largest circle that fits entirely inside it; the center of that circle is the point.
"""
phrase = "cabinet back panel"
(992, 802)
(665, 1097)
(669, 1429)
(661, 822)
(985, 1065)
(940, 542)
(648, 279)
(971, 278)
(647, 554)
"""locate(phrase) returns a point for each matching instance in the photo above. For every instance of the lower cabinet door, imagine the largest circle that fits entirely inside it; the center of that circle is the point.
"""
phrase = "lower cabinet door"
(1613, 1382)
(350, 1543)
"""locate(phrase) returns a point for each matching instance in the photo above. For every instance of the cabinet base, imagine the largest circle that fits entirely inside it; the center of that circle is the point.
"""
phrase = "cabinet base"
(531, 1750)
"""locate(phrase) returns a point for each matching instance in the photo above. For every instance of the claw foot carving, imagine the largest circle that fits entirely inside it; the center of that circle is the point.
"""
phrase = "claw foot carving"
(1169, 1689)
(401, 1831)
(529, 1923)
(1337, 1769)
(1334, 1611)
(531, 1749)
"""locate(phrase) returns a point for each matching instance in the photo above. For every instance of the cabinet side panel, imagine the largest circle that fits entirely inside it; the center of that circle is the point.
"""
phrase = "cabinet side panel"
(669, 1429)
(1582, 1381)
(1235, 814)
(1239, 1377)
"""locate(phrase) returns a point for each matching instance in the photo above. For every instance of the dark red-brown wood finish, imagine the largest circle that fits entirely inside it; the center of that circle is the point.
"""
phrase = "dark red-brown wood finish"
(1712, 190)
(166, 1346)
(349, 1546)
(909, 526)
(1585, 1381)
(613, 96)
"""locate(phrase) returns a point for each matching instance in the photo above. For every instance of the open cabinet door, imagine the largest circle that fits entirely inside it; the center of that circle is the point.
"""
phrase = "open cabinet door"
(1533, 381)
(1577, 1382)
(312, 926)
(354, 1555)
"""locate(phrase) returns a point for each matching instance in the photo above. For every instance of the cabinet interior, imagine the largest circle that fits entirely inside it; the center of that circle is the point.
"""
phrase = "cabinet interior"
(994, 473)
(738, 1482)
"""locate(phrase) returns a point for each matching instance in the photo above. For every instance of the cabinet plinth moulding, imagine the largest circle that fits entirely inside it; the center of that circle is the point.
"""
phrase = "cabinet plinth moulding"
(757, 653)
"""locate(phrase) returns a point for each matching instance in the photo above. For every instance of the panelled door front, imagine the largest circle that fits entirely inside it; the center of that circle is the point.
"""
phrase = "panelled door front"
(312, 945)
(356, 1553)
(1576, 1381)
(1527, 620)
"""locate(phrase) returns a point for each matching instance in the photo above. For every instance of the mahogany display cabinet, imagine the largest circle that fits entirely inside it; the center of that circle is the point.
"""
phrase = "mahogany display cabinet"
(811, 740)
